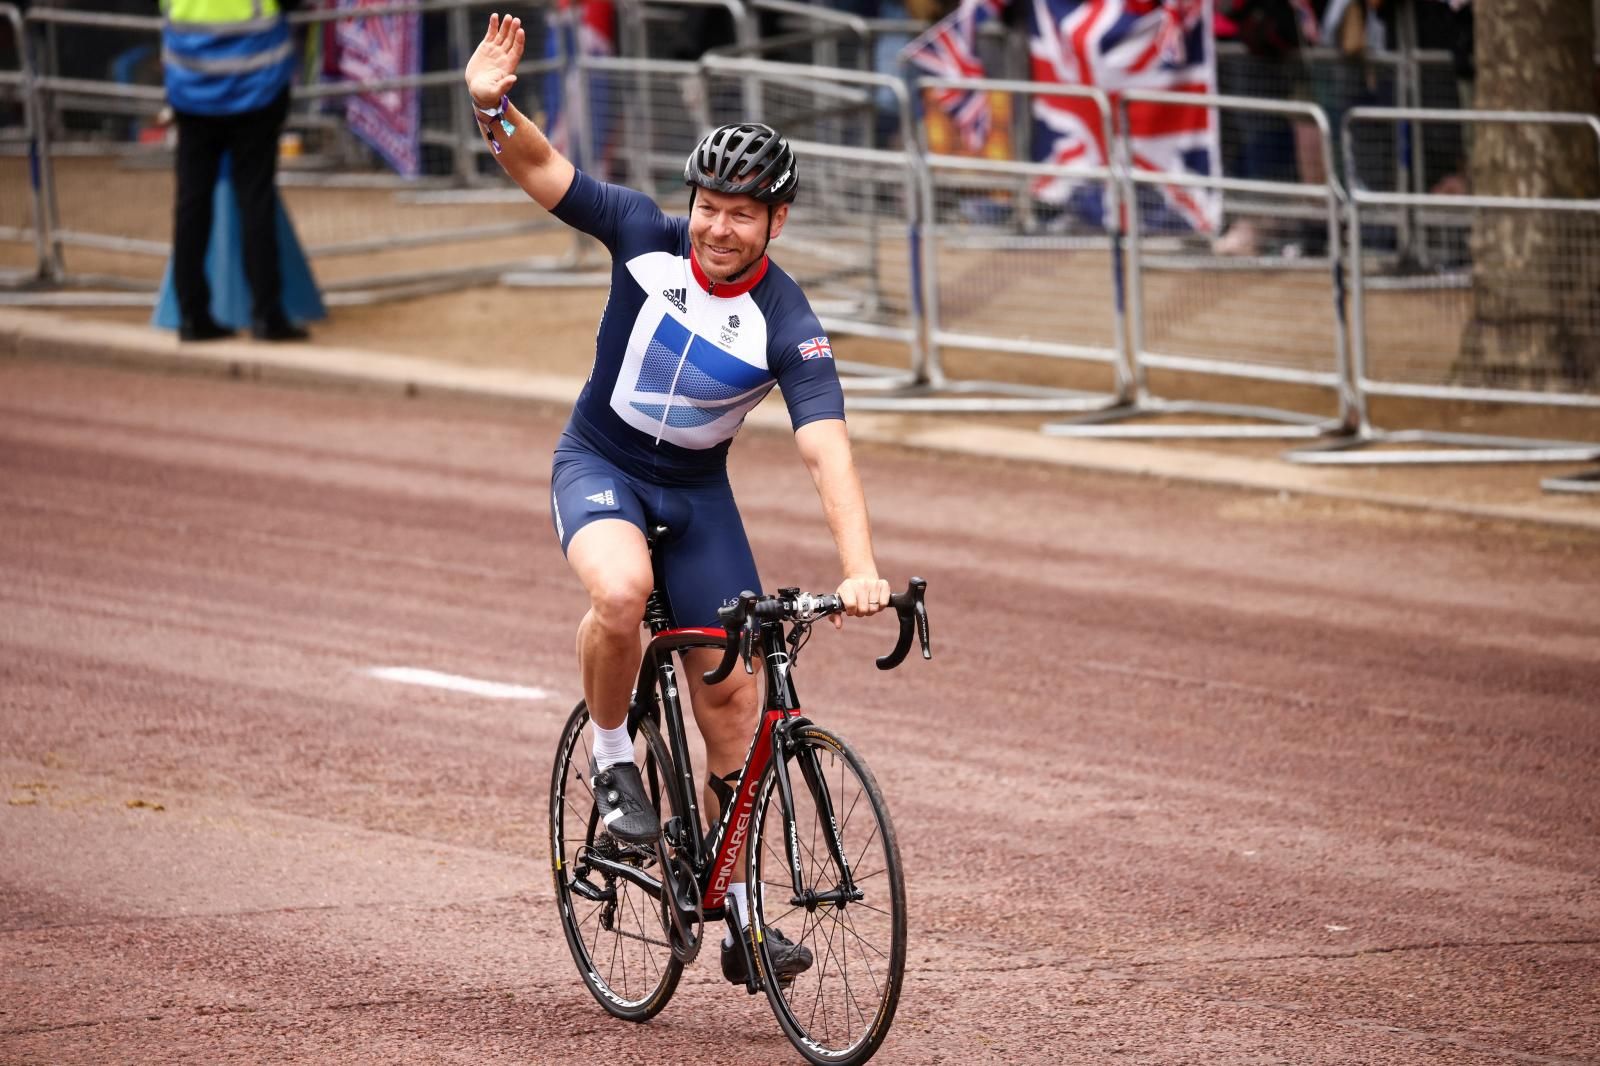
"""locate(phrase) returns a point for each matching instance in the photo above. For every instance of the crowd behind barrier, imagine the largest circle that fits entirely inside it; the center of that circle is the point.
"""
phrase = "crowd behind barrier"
(1346, 236)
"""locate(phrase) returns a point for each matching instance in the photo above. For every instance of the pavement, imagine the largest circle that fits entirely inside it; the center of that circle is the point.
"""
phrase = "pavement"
(1503, 493)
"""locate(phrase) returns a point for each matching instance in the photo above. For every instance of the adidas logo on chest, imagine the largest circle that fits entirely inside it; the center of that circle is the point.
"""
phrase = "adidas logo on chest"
(678, 298)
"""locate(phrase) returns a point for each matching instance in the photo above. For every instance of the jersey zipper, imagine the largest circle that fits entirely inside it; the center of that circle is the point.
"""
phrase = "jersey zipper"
(672, 389)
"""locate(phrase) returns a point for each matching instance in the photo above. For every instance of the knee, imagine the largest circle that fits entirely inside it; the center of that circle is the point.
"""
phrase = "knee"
(617, 602)
(726, 714)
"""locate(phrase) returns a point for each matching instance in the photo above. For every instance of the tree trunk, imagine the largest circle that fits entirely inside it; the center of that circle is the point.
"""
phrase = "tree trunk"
(1536, 274)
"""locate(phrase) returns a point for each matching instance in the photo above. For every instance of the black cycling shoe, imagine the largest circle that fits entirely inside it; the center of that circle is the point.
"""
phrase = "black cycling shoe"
(624, 810)
(788, 958)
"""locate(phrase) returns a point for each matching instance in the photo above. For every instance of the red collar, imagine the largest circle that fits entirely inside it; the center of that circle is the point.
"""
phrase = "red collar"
(728, 288)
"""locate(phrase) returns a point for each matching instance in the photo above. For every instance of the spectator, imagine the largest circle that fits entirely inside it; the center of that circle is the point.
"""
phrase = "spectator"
(1447, 24)
(1274, 33)
(227, 66)
(1352, 28)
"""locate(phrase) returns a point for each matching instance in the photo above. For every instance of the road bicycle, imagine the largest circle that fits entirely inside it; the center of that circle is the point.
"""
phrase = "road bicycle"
(821, 857)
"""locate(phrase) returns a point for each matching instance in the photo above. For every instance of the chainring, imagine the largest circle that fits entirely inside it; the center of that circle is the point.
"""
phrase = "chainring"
(682, 914)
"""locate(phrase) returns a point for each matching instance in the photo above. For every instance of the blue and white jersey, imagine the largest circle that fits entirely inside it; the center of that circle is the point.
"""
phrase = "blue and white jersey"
(680, 360)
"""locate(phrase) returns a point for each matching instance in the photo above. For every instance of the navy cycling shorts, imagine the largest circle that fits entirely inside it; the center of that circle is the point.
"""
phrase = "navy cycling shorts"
(704, 563)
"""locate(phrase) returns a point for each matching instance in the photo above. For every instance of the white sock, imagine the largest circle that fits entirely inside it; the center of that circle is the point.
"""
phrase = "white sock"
(737, 892)
(611, 746)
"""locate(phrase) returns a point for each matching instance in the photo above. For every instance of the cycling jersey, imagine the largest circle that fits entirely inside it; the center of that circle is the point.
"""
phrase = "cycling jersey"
(679, 359)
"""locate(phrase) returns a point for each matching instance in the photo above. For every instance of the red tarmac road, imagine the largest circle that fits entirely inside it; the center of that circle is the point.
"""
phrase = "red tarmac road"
(1195, 776)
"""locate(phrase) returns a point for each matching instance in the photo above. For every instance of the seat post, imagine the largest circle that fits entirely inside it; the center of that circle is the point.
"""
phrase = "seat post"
(656, 615)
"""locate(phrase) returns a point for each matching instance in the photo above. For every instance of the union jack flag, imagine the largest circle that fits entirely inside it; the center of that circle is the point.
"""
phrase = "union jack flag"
(1119, 45)
(816, 348)
(948, 49)
(1115, 45)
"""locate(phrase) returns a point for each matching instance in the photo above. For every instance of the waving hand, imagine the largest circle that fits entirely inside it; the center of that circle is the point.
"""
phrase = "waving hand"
(492, 69)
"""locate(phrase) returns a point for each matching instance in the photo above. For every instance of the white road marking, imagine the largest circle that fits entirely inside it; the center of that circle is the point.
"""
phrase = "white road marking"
(496, 690)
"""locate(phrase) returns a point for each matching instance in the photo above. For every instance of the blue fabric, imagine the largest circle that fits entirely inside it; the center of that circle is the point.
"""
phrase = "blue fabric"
(704, 563)
(225, 94)
(230, 291)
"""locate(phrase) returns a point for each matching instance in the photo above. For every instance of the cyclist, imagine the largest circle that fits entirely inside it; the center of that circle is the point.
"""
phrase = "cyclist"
(698, 327)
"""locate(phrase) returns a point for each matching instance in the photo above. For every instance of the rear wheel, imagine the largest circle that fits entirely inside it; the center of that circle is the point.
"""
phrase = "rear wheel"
(616, 928)
(840, 1008)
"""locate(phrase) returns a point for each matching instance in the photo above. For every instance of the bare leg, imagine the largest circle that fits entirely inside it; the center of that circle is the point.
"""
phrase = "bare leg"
(726, 715)
(611, 559)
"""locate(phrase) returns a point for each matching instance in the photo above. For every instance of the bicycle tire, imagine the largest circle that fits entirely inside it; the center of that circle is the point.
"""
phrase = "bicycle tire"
(834, 1016)
(620, 946)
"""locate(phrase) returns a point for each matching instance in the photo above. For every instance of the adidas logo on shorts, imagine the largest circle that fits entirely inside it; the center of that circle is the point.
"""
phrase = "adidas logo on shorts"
(678, 298)
(608, 498)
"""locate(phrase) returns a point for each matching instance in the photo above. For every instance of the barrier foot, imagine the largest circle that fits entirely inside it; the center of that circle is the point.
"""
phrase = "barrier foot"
(1440, 448)
(1283, 425)
(975, 397)
(1586, 482)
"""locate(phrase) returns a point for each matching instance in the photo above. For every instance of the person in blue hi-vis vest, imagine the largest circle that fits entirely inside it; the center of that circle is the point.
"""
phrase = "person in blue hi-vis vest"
(227, 66)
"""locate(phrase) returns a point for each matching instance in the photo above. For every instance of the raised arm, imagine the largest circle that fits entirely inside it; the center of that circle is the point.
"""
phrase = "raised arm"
(525, 154)
(825, 447)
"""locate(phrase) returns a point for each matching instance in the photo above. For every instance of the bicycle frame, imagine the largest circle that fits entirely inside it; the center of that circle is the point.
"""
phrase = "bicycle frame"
(635, 907)
(716, 861)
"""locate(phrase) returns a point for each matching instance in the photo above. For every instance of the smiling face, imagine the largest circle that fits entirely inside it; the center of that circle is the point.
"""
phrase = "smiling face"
(730, 232)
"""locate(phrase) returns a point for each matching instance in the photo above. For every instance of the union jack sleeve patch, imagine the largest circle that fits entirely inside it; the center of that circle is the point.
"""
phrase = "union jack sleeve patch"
(816, 348)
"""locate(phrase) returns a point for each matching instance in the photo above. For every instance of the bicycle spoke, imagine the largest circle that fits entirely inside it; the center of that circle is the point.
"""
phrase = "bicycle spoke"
(869, 907)
(847, 933)
(844, 972)
(618, 944)
(870, 841)
(645, 939)
(822, 973)
(848, 924)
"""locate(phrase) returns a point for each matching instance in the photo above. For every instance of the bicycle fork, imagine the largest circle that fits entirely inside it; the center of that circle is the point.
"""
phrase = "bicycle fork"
(784, 749)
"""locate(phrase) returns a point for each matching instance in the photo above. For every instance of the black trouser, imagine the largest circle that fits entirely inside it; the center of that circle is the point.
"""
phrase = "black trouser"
(251, 139)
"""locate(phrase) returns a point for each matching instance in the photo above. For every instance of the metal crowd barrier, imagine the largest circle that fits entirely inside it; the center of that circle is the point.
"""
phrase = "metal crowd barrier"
(852, 240)
(16, 224)
(1428, 312)
(928, 253)
(1189, 307)
(1586, 483)
(630, 121)
(1001, 276)
(833, 40)
(342, 203)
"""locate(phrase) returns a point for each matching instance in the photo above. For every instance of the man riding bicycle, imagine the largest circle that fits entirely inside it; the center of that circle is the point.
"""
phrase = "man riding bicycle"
(698, 328)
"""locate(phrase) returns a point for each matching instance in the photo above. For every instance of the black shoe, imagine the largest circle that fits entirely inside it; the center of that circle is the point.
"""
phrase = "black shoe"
(277, 328)
(624, 810)
(202, 329)
(788, 958)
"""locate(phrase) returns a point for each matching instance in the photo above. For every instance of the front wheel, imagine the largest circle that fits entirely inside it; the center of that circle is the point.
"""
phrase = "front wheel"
(853, 923)
(616, 928)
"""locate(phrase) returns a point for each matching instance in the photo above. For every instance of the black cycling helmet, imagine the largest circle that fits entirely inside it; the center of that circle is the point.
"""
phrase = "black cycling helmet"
(746, 159)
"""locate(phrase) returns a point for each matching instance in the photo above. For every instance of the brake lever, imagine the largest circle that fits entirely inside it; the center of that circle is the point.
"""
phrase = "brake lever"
(913, 613)
(735, 619)
(747, 640)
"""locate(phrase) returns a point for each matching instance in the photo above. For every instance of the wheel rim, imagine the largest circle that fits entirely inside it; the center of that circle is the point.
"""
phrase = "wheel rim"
(619, 944)
(840, 1008)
